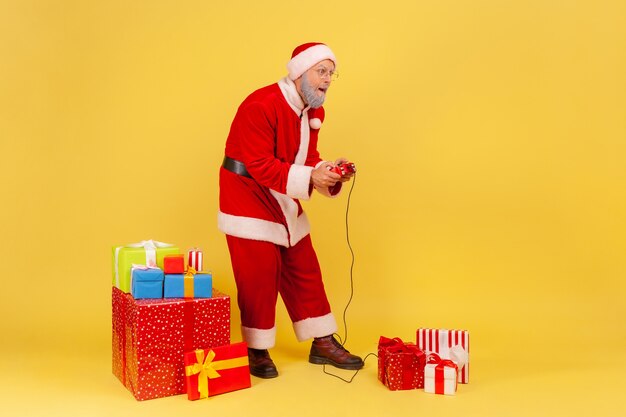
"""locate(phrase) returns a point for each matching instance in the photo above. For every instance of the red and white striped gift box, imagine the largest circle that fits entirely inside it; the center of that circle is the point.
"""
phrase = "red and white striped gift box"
(194, 259)
(440, 341)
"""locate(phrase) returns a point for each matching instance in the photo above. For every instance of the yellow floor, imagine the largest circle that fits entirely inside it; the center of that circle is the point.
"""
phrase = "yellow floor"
(78, 382)
(489, 140)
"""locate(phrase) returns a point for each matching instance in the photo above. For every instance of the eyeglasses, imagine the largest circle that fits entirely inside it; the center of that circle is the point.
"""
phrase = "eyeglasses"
(326, 73)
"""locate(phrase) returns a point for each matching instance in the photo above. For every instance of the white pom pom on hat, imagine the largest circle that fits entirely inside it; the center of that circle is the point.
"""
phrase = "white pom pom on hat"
(307, 55)
(315, 123)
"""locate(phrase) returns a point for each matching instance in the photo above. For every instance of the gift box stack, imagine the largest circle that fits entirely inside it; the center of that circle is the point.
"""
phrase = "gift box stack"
(171, 329)
(436, 363)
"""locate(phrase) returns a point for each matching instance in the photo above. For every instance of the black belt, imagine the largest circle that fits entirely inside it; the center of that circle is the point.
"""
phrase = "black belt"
(235, 166)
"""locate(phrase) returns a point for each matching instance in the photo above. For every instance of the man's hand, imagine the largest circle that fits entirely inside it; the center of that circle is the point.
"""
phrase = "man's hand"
(321, 177)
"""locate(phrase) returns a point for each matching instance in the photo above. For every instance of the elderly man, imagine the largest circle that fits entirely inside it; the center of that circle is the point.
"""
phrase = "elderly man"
(271, 163)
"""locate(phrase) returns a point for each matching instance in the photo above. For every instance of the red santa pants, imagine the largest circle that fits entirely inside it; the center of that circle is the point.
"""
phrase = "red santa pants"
(262, 270)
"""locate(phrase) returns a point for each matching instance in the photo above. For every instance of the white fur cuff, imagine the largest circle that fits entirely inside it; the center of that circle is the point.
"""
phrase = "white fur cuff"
(315, 327)
(259, 338)
(298, 181)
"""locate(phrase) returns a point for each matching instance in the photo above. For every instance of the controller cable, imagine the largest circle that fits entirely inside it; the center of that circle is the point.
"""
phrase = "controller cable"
(345, 310)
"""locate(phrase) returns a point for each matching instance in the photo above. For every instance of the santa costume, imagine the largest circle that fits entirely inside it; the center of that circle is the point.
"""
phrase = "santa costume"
(271, 151)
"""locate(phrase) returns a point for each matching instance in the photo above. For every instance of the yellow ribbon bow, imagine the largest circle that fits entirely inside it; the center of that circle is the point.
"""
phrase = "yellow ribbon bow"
(207, 369)
(188, 282)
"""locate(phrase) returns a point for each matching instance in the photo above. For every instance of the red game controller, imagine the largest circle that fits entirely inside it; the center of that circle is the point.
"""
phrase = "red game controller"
(343, 169)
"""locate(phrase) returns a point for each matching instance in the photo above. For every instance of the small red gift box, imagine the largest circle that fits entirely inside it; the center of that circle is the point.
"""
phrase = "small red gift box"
(400, 365)
(174, 264)
(150, 338)
(218, 370)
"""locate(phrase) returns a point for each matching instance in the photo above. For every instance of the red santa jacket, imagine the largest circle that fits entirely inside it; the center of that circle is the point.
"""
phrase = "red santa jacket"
(275, 136)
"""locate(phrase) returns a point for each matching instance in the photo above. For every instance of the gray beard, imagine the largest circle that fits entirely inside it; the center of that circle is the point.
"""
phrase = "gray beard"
(308, 92)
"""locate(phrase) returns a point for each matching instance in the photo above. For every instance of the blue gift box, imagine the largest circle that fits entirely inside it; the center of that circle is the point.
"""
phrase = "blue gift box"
(146, 283)
(175, 285)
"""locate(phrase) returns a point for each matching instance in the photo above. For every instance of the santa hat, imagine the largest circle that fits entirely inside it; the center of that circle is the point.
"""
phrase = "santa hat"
(307, 55)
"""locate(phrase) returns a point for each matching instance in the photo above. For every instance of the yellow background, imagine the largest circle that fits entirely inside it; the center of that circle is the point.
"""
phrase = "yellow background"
(490, 141)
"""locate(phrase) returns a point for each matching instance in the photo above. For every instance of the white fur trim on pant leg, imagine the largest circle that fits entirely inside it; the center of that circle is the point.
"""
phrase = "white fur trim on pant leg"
(315, 327)
(251, 228)
(298, 181)
(259, 338)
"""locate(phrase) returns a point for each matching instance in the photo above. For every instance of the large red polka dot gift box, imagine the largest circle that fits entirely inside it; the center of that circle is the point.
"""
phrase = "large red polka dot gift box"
(151, 336)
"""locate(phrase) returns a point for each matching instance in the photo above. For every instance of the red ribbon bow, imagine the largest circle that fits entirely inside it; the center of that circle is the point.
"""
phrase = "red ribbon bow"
(396, 345)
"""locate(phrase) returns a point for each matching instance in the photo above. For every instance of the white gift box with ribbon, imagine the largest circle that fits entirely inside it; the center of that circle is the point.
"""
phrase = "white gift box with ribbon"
(440, 376)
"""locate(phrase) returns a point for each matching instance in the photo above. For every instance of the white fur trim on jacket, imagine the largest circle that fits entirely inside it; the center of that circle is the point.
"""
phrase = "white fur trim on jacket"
(298, 181)
(288, 88)
(251, 228)
(298, 226)
(315, 327)
(299, 175)
(257, 229)
(301, 229)
(300, 63)
(259, 338)
(305, 137)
